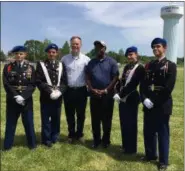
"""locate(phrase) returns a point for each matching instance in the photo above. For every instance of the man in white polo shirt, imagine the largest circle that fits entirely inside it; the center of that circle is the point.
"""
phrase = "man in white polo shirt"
(75, 98)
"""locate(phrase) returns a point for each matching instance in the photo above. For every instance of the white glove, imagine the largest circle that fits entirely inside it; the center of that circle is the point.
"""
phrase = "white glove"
(55, 94)
(20, 100)
(147, 102)
(58, 93)
(116, 98)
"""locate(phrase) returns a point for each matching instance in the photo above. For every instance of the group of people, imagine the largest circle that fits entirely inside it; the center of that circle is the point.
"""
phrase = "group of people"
(75, 77)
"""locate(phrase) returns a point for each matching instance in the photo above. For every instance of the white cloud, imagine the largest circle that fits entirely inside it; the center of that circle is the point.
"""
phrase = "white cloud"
(52, 31)
(63, 28)
(139, 22)
(120, 14)
(141, 35)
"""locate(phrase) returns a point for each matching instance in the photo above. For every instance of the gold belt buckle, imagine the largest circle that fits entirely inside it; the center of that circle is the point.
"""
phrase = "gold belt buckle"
(152, 87)
(19, 87)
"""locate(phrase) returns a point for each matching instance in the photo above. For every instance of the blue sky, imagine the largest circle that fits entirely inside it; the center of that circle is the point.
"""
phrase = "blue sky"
(119, 24)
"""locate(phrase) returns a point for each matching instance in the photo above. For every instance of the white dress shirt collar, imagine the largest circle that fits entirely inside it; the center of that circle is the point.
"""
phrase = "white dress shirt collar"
(76, 57)
(160, 59)
(20, 62)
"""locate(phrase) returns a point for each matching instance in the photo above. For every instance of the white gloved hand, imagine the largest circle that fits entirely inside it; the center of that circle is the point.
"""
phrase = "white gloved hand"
(117, 98)
(58, 93)
(55, 94)
(147, 102)
(20, 100)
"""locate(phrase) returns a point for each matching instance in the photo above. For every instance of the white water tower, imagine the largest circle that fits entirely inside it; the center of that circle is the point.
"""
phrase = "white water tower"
(171, 15)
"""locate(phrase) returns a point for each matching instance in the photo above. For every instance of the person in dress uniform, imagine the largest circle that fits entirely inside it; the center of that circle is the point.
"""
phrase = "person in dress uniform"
(129, 99)
(102, 74)
(156, 89)
(51, 81)
(19, 84)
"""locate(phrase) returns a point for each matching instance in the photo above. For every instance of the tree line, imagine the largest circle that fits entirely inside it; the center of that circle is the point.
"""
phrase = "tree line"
(36, 52)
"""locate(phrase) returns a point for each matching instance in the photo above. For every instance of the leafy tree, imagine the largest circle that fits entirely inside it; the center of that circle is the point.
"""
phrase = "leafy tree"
(91, 53)
(121, 52)
(2, 56)
(34, 48)
(65, 49)
(45, 43)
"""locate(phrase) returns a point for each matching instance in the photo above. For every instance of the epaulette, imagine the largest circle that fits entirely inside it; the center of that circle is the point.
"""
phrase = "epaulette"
(152, 61)
(149, 63)
(11, 61)
(170, 62)
(142, 65)
(26, 61)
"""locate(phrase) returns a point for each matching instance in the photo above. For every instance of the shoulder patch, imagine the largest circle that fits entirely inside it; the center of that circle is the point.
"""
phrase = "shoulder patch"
(9, 67)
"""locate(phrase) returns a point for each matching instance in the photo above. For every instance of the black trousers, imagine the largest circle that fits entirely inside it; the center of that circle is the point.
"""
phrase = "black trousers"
(101, 112)
(128, 121)
(50, 121)
(75, 101)
(13, 112)
(156, 128)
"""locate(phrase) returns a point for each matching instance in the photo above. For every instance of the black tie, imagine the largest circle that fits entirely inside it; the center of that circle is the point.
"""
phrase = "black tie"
(19, 64)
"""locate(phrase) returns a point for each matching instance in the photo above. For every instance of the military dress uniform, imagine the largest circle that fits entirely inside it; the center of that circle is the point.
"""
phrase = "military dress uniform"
(158, 84)
(50, 109)
(19, 80)
(128, 106)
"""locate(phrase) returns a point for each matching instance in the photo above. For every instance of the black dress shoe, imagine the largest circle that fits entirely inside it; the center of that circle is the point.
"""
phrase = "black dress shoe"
(129, 152)
(32, 147)
(6, 149)
(162, 167)
(56, 140)
(146, 159)
(105, 145)
(48, 144)
(81, 140)
(95, 145)
(71, 140)
(122, 149)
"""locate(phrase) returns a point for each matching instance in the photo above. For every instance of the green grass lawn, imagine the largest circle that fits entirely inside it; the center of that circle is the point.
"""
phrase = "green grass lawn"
(63, 156)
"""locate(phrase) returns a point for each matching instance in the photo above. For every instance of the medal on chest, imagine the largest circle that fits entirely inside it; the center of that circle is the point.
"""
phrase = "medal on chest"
(28, 72)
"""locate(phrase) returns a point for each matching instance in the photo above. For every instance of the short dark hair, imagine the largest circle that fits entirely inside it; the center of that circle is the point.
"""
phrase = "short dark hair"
(75, 37)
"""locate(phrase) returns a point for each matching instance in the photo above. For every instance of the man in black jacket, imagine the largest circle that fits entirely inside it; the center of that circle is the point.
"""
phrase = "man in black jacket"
(156, 89)
(51, 81)
(19, 84)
